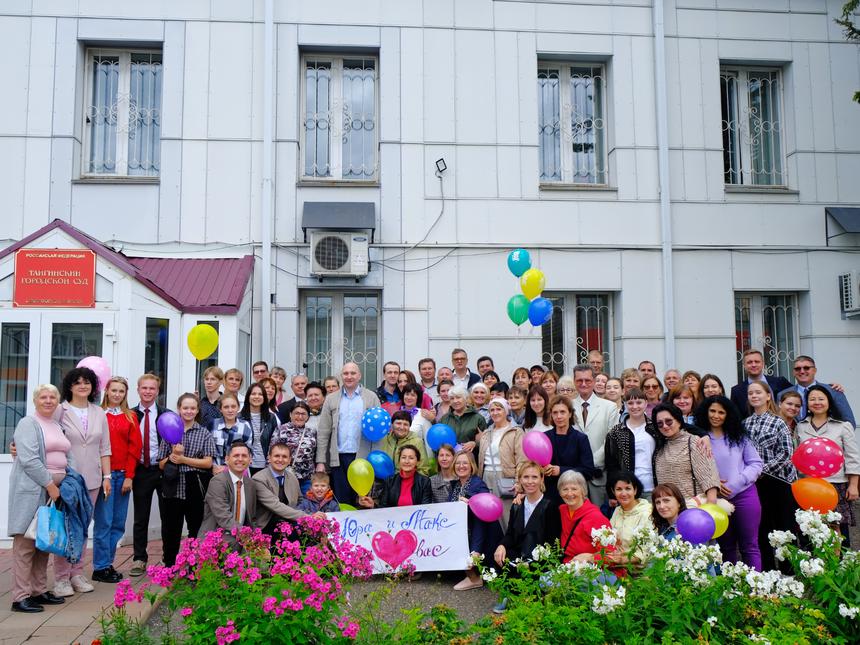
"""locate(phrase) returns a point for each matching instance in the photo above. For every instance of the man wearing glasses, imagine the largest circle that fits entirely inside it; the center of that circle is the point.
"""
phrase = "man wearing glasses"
(462, 375)
(260, 370)
(804, 375)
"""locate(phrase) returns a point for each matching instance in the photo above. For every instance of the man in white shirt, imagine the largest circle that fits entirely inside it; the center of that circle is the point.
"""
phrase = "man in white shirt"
(462, 375)
(231, 500)
(427, 374)
(596, 418)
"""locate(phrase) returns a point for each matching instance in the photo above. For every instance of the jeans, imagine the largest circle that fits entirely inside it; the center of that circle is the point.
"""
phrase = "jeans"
(109, 517)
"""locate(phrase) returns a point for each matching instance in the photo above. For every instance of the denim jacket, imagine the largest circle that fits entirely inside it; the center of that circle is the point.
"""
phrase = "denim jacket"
(78, 510)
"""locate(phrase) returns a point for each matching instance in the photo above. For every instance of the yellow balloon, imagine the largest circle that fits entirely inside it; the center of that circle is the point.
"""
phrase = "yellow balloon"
(360, 476)
(721, 518)
(347, 507)
(202, 341)
(532, 283)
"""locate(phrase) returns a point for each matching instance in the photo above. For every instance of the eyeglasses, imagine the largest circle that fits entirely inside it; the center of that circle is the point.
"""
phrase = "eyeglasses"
(652, 387)
(803, 368)
(665, 423)
(566, 390)
(259, 371)
(458, 359)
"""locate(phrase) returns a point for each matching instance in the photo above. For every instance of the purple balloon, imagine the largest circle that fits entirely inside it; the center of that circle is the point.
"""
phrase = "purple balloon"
(98, 365)
(696, 525)
(486, 507)
(537, 447)
(170, 427)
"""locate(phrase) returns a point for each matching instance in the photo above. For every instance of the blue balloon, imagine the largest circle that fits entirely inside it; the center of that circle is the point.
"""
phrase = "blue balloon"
(440, 433)
(519, 261)
(540, 311)
(383, 466)
(375, 424)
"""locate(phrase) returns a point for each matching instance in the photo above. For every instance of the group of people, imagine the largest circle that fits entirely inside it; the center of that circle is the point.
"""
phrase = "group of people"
(625, 451)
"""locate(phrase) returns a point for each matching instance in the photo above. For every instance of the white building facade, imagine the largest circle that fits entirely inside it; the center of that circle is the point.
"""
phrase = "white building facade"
(685, 174)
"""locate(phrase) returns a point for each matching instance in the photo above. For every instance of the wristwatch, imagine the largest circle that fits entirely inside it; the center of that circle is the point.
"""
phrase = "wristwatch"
(105, 476)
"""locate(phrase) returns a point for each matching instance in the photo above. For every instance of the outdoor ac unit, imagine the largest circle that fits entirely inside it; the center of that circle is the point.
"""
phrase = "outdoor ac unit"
(849, 293)
(339, 254)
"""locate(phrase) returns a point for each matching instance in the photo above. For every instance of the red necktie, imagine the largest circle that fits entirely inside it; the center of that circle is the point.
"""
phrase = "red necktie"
(146, 461)
(238, 501)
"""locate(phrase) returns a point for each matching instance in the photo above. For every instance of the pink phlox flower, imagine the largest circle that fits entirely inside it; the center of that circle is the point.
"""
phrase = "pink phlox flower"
(186, 611)
(227, 634)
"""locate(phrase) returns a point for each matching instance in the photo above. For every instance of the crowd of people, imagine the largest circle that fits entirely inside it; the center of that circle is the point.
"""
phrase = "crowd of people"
(626, 451)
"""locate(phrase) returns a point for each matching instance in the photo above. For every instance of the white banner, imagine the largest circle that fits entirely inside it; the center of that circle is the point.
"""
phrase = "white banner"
(433, 537)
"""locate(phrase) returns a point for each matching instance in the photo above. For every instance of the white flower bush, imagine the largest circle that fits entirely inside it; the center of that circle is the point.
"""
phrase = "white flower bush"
(766, 584)
(603, 537)
(812, 567)
(848, 612)
(609, 600)
(814, 526)
(541, 552)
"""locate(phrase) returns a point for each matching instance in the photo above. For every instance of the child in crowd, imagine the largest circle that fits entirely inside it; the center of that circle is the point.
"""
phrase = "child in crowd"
(319, 498)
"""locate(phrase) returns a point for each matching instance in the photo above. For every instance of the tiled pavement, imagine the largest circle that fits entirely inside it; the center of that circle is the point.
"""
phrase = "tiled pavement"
(74, 622)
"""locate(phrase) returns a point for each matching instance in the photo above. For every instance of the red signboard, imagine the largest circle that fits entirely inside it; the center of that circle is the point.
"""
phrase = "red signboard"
(55, 278)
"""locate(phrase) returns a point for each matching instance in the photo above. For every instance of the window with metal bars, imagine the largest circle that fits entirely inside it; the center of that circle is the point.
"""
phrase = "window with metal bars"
(580, 323)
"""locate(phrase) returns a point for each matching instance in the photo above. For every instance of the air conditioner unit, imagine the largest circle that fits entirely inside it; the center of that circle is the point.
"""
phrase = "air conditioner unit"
(849, 293)
(341, 254)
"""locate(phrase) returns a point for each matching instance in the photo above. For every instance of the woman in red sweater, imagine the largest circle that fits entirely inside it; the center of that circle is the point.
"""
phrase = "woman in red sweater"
(578, 518)
(111, 510)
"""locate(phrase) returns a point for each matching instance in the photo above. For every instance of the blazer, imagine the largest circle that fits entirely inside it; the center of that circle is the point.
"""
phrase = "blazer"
(89, 448)
(571, 451)
(219, 502)
(268, 504)
(285, 408)
(543, 527)
(327, 428)
(389, 496)
(739, 392)
(510, 450)
(840, 402)
(603, 415)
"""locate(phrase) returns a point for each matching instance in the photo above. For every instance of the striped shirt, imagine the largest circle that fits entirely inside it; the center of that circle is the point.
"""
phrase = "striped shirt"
(772, 440)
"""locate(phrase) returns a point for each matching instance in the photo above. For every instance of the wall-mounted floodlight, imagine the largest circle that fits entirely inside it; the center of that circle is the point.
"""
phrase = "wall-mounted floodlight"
(441, 166)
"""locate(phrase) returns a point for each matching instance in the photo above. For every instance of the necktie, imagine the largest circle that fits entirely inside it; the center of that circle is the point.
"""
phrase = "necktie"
(282, 495)
(146, 461)
(802, 402)
(584, 414)
(238, 517)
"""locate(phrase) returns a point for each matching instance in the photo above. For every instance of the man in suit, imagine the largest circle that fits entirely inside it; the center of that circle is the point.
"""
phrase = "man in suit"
(753, 361)
(231, 499)
(147, 475)
(804, 374)
(596, 418)
(298, 384)
(339, 438)
(277, 490)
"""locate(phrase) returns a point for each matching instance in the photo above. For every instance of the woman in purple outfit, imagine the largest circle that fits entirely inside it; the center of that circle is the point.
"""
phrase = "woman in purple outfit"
(739, 466)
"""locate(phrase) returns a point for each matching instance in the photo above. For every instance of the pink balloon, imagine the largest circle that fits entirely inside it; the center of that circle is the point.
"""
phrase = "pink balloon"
(486, 507)
(538, 447)
(98, 365)
(818, 457)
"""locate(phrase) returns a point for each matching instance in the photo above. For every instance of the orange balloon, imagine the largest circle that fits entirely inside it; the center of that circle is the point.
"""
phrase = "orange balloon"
(814, 494)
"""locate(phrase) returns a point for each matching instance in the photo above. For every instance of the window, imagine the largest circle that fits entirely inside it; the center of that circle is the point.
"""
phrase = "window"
(122, 116)
(752, 126)
(767, 322)
(339, 118)
(155, 353)
(580, 323)
(337, 328)
(14, 364)
(212, 361)
(70, 342)
(572, 123)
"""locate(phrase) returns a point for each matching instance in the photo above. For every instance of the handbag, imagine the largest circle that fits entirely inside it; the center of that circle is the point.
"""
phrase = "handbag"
(51, 533)
(507, 485)
(30, 533)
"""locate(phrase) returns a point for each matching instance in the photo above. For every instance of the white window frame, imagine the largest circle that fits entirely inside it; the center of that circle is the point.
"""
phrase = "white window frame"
(336, 128)
(575, 347)
(567, 155)
(123, 99)
(742, 138)
(778, 358)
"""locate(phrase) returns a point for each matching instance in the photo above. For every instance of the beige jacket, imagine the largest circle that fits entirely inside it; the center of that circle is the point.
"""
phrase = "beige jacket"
(510, 450)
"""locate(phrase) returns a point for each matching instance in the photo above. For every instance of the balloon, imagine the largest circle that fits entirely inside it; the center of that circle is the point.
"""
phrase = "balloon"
(540, 311)
(98, 365)
(814, 494)
(347, 507)
(818, 457)
(360, 476)
(721, 518)
(170, 426)
(382, 464)
(439, 433)
(532, 283)
(202, 341)
(375, 424)
(519, 261)
(486, 507)
(696, 526)
(538, 447)
(518, 309)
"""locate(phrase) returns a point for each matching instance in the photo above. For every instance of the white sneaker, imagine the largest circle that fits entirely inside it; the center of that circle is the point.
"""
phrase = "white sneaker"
(81, 584)
(63, 589)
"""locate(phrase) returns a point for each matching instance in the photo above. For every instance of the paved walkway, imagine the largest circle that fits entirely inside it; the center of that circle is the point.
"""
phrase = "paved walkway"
(74, 622)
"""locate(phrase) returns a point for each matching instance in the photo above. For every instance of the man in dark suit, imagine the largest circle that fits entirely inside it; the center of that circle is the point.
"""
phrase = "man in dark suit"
(147, 475)
(277, 490)
(298, 384)
(804, 374)
(754, 367)
(231, 499)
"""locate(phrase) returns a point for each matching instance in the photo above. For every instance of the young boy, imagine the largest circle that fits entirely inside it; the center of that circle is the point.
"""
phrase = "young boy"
(319, 498)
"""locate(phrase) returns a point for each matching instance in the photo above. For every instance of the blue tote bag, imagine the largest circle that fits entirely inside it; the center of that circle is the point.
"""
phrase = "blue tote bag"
(51, 530)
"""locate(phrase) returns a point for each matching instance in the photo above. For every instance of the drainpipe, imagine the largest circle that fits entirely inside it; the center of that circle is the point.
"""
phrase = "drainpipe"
(663, 167)
(266, 197)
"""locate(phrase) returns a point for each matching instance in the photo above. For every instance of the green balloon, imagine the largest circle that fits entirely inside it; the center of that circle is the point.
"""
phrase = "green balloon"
(518, 309)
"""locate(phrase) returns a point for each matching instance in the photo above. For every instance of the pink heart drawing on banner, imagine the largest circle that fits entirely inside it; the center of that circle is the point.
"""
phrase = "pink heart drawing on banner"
(394, 550)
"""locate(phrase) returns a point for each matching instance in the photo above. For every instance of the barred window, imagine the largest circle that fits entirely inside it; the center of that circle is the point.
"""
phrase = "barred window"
(572, 123)
(752, 126)
(767, 321)
(580, 323)
(122, 116)
(340, 118)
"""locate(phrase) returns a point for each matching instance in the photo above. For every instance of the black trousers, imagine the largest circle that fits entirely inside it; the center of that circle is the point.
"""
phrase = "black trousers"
(182, 511)
(146, 482)
(339, 482)
(777, 514)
